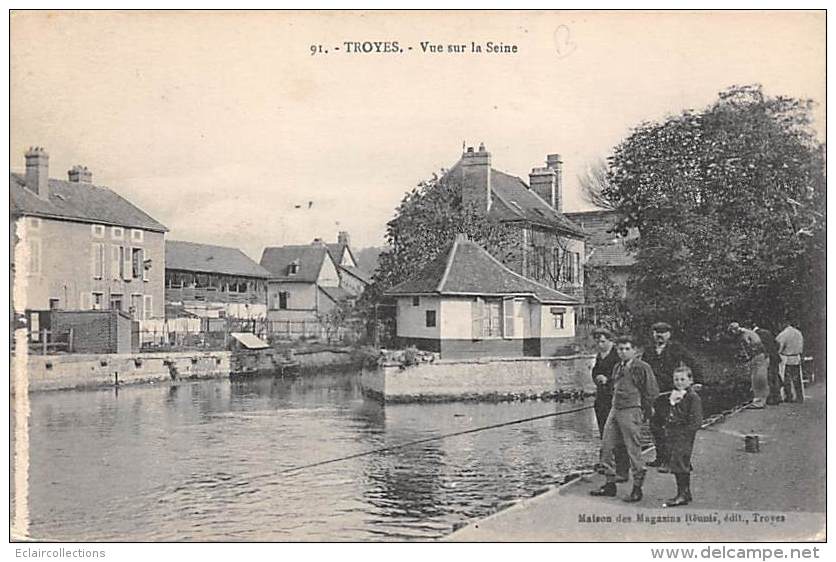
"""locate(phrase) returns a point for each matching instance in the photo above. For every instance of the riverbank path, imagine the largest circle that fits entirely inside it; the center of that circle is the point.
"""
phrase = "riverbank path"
(777, 494)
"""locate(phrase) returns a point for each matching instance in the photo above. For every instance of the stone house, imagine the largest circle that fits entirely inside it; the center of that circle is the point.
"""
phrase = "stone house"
(550, 247)
(605, 249)
(79, 246)
(304, 285)
(465, 303)
(211, 281)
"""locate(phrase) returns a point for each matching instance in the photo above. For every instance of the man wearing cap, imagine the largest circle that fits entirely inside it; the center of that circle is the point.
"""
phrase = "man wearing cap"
(602, 376)
(750, 353)
(665, 356)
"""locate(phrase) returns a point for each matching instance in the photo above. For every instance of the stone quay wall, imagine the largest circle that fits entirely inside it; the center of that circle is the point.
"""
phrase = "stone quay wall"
(487, 379)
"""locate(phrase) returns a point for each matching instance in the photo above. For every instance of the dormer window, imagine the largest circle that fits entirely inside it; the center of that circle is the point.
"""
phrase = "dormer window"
(98, 230)
(293, 268)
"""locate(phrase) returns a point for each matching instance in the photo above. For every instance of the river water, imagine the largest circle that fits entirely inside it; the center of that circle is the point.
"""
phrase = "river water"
(202, 461)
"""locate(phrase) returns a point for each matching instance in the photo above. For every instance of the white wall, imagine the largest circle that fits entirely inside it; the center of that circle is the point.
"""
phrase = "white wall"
(547, 329)
(456, 318)
(328, 276)
(412, 319)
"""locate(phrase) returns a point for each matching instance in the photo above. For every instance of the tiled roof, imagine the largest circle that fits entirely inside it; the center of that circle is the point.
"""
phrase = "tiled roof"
(78, 201)
(514, 201)
(467, 269)
(336, 294)
(603, 247)
(358, 273)
(206, 258)
(309, 258)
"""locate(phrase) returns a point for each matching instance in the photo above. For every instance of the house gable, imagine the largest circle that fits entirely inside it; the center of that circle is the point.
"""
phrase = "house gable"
(328, 275)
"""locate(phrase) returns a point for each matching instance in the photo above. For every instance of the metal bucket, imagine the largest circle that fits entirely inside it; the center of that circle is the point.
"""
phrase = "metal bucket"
(753, 444)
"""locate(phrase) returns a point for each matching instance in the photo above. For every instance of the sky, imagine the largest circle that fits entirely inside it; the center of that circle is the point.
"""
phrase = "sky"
(226, 128)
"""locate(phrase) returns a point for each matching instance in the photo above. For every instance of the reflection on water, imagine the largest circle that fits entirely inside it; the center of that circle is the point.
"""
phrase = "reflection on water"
(202, 461)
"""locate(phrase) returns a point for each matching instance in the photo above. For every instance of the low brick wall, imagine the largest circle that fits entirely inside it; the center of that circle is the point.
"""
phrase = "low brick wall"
(59, 372)
(489, 379)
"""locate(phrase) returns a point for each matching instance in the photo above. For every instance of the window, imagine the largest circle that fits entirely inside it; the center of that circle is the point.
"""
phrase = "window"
(136, 235)
(558, 317)
(487, 318)
(147, 308)
(578, 272)
(34, 256)
(293, 268)
(98, 260)
(98, 301)
(116, 301)
(117, 262)
(416, 301)
(283, 298)
(137, 268)
(55, 304)
(117, 232)
(431, 319)
(98, 230)
(556, 272)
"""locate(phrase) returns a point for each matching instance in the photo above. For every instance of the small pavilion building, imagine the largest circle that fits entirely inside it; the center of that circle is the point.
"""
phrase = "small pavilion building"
(466, 304)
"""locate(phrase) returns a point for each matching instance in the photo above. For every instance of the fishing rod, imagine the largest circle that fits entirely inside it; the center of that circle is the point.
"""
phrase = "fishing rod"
(436, 438)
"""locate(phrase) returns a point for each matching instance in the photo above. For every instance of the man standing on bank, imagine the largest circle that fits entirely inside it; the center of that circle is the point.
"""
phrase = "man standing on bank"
(664, 358)
(751, 355)
(602, 371)
(634, 390)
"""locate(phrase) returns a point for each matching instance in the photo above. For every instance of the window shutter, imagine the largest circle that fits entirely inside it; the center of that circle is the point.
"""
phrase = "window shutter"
(508, 311)
(144, 271)
(127, 270)
(115, 261)
(476, 314)
(147, 309)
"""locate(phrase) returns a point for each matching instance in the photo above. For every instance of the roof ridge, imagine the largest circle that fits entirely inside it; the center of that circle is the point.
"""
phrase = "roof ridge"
(450, 255)
(206, 244)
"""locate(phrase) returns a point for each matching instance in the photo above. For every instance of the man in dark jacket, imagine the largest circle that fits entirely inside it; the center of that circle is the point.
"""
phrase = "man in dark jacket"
(770, 347)
(663, 358)
(602, 371)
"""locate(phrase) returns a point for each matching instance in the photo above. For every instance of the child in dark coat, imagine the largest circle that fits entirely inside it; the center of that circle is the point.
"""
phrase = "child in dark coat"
(684, 419)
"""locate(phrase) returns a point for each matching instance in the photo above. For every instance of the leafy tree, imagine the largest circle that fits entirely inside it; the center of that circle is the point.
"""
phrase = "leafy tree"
(730, 206)
(427, 220)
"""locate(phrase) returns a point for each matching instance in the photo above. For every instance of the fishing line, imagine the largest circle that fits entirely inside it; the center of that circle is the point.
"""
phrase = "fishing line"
(436, 438)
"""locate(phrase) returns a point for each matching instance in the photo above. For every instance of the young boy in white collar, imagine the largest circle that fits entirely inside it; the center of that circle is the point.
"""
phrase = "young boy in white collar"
(684, 420)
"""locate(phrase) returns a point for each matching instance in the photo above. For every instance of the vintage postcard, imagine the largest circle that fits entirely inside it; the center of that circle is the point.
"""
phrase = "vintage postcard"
(364, 276)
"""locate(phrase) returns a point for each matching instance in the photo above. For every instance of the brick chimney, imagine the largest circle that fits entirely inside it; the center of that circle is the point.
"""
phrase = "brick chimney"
(37, 171)
(476, 184)
(554, 162)
(343, 238)
(543, 182)
(80, 174)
